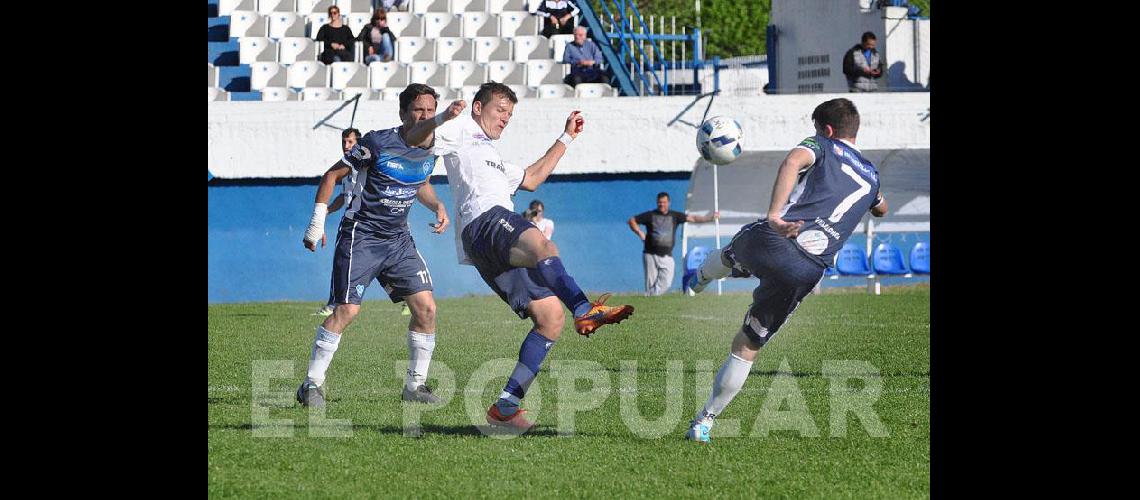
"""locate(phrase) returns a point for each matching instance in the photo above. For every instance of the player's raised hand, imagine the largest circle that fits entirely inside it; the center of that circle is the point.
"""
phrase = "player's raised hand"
(785, 228)
(454, 109)
(575, 123)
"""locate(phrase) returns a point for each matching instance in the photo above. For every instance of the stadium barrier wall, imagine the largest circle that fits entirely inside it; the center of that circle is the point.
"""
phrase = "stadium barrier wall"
(623, 135)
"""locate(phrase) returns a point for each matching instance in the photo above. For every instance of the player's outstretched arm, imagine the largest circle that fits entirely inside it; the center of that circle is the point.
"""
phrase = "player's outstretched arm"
(420, 131)
(316, 229)
(702, 218)
(537, 173)
(797, 160)
(427, 197)
(879, 209)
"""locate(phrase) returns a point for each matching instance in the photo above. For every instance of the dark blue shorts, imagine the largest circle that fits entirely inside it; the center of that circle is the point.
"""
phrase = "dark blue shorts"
(487, 241)
(786, 273)
(362, 256)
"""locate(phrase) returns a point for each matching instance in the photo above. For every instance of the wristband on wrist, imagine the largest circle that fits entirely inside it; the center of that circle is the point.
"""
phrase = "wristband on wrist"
(565, 139)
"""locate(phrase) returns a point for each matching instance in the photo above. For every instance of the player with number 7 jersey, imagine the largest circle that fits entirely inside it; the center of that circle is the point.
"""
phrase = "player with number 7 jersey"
(822, 190)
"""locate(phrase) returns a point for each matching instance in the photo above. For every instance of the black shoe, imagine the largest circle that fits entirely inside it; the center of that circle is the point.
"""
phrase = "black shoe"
(422, 394)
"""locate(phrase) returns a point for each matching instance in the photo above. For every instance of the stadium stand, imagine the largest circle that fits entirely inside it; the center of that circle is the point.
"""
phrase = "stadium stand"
(265, 49)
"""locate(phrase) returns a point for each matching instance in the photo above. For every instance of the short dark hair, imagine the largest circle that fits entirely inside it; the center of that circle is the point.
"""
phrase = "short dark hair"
(349, 131)
(662, 194)
(535, 204)
(489, 90)
(840, 114)
(412, 92)
(867, 35)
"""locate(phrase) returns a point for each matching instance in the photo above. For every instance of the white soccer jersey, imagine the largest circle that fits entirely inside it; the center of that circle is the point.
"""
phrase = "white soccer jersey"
(478, 176)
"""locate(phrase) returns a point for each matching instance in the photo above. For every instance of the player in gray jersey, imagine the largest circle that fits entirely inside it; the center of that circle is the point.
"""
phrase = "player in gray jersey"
(822, 190)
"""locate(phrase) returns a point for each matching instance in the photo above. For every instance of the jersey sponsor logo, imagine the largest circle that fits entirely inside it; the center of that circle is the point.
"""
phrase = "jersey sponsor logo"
(506, 225)
(814, 241)
(360, 290)
(398, 192)
(827, 228)
(496, 165)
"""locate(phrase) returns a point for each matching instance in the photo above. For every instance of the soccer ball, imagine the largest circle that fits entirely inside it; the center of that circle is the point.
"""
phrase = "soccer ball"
(718, 140)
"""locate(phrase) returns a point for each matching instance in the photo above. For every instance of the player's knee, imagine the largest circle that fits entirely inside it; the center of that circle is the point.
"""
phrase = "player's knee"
(550, 321)
(424, 311)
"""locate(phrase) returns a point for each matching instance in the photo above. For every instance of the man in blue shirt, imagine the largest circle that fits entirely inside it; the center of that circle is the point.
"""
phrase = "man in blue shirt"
(584, 57)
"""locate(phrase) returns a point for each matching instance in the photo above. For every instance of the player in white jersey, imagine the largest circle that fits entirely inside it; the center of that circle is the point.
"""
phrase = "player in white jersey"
(514, 258)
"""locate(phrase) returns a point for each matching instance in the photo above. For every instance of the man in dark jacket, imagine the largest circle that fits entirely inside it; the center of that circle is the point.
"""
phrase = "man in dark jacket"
(863, 65)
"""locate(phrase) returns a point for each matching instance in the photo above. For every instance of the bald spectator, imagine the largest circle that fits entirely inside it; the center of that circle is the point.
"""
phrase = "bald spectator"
(584, 57)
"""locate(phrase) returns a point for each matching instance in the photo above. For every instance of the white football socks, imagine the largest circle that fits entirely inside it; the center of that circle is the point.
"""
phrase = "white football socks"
(713, 267)
(420, 347)
(728, 382)
(324, 346)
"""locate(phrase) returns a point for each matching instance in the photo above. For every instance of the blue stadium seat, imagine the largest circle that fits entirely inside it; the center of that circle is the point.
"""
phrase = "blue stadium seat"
(245, 96)
(830, 271)
(920, 258)
(235, 78)
(223, 53)
(852, 261)
(212, 11)
(693, 261)
(889, 260)
(218, 29)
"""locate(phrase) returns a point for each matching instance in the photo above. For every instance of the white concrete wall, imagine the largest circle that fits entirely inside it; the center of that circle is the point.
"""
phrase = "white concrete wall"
(817, 27)
(623, 134)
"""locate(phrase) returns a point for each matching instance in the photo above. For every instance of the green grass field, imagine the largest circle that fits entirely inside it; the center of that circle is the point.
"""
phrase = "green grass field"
(887, 338)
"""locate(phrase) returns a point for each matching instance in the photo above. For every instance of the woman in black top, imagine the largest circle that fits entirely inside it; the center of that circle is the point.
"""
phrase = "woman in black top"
(337, 37)
(377, 38)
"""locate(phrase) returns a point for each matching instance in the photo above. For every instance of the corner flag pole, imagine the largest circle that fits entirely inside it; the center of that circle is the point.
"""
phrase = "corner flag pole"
(716, 221)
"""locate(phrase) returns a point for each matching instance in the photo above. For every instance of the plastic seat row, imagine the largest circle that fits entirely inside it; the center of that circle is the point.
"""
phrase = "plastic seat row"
(454, 75)
(887, 259)
(431, 25)
(550, 91)
(225, 7)
(409, 50)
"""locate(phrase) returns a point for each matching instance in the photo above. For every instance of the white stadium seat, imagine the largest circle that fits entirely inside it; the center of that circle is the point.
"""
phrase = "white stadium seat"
(390, 93)
(467, 93)
(444, 93)
(254, 49)
(439, 24)
(491, 48)
(313, 23)
(405, 24)
(365, 93)
(276, 94)
(317, 94)
(387, 74)
(227, 7)
(355, 6)
(543, 71)
(266, 74)
(293, 49)
(522, 91)
(473, 24)
(452, 49)
(465, 73)
(410, 49)
(348, 74)
(424, 6)
(525, 48)
(554, 90)
(558, 45)
(357, 21)
(266, 7)
(590, 90)
(508, 72)
(428, 73)
(307, 74)
(213, 76)
(217, 94)
(286, 24)
(306, 7)
(247, 23)
(461, 6)
(517, 23)
(497, 6)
